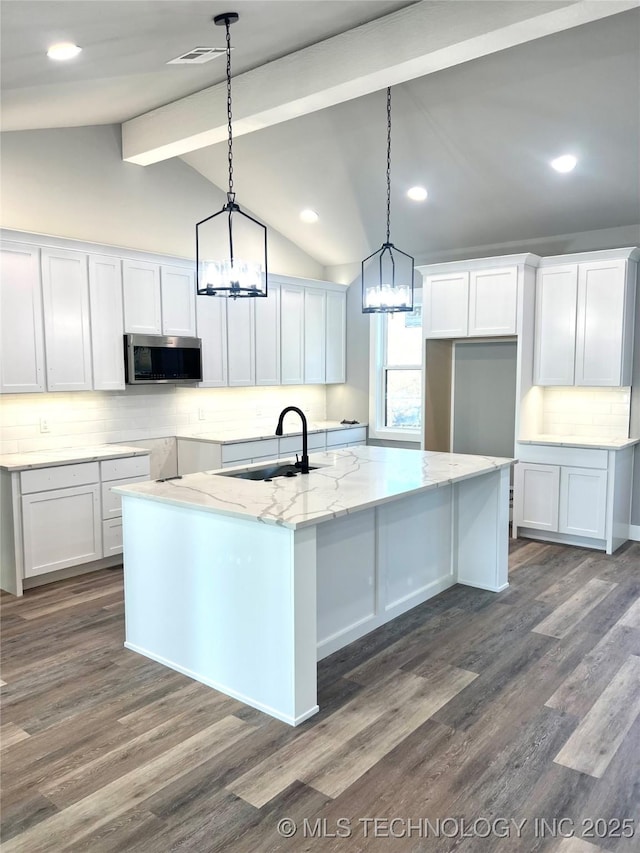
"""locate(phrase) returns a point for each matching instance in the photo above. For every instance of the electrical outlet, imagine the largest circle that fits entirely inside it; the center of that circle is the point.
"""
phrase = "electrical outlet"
(200, 414)
(44, 425)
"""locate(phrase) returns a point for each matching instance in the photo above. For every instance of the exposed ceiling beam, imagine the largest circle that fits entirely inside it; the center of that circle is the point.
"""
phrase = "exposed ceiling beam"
(407, 44)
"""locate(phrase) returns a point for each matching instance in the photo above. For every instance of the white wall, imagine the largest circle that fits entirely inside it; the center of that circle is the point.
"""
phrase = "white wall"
(72, 182)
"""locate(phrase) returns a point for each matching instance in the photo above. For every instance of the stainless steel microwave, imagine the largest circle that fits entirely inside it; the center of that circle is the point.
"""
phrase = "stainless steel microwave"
(154, 359)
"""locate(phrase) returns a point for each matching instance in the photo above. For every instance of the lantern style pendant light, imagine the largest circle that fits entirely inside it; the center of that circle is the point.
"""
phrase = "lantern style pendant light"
(231, 246)
(387, 275)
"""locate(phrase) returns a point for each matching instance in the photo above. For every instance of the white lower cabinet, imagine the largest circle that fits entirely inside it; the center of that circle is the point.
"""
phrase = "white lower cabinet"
(577, 495)
(61, 516)
(61, 528)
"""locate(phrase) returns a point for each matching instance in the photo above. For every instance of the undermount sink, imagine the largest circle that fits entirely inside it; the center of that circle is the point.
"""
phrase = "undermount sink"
(268, 472)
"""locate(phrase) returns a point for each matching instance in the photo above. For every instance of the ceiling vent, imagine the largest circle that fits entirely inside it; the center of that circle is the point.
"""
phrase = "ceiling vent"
(198, 55)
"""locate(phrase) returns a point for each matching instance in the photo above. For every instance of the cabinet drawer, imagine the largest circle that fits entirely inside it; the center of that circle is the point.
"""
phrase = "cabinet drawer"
(58, 477)
(249, 450)
(129, 466)
(112, 536)
(293, 443)
(112, 503)
(579, 457)
(346, 436)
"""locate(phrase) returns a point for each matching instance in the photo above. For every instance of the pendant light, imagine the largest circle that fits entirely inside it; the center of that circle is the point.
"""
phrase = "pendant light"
(231, 246)
(387, 275)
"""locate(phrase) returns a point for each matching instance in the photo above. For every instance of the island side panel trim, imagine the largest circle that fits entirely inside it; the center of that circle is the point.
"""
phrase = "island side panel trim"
(481, 531)
(214, 597)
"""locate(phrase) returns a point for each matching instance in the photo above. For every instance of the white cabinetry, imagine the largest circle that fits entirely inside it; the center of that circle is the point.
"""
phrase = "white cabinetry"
(584, 322)
(241, 319)
(107, 328)
(142, 298)
(22, 367)
(292, 335)
(212, 330)
(315, 309)
(576, 495)
(475, 302)
(177, 296)
(268, 337)
(61, 516)
(65, 298)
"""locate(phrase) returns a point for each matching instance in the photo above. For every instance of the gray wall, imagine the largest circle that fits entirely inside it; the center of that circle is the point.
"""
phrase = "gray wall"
(484, 399)
(72, 182)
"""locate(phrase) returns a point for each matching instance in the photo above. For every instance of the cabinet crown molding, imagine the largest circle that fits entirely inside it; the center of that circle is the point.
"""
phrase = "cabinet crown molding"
(526, 259)
(628, 253)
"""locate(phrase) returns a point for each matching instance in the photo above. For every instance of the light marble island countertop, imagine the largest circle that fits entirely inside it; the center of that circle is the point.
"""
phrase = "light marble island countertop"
(345, 481)
(597, 442)
(67, 456)
(244, 432)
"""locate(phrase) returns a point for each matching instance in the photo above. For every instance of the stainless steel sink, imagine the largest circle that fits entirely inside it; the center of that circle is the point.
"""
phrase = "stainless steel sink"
(268, 472)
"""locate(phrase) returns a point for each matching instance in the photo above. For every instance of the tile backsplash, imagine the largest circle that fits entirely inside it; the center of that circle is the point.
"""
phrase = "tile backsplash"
(101, 417)
(597, 412)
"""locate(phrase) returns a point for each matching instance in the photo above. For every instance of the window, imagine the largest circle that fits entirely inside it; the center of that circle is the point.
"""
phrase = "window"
(396, 374)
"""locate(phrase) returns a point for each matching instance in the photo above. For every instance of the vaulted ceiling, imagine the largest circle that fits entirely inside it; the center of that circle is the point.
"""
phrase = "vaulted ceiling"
(484, 95)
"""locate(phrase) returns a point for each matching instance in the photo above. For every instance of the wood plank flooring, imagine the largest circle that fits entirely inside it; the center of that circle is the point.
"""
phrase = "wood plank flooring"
(475, 722)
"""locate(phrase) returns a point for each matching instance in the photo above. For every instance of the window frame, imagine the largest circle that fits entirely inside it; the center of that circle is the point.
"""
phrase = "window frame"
(377, 385)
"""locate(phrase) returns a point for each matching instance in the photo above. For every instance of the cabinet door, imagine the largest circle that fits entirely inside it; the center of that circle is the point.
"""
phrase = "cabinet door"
(336, 337)
(493, 300)
(212, 330)
(241, 341)
(178, 296)
(600, 323)
(107, 323)
(535, 496)
(268, 337)
(21, 335)
(315, 309)
(583, 501)
(446, 305)
(61, 528)
(291, 335)
(67, 326)
(555, 325)
(142, 301)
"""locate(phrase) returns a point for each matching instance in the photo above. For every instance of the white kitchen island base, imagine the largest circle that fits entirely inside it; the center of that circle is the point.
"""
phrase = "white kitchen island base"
(249, 607)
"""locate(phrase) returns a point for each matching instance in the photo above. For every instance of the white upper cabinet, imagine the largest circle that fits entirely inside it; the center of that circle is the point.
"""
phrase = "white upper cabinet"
(240, 341)
(107, 328)
(315, 309)
(142, 299)
(336, 336)
(493, 301)
(65, 299)
(211, 314)
(555, 325)
(292, 335)
(446, 305)
(22, 366)
(268, 337)
(604, 335)
(584, 323)
(178, 301)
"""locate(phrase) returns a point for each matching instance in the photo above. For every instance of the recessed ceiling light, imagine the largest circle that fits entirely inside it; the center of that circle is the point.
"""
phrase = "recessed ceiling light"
(309, 215)
(417, 193)
(566, 163)
(63, 50)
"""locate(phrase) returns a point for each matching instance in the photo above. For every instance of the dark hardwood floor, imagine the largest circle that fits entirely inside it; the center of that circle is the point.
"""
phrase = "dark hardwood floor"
(475, 722)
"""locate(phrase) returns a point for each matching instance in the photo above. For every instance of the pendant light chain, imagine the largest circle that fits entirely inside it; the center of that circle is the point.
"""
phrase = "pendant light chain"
(231, 194)
(388, 162)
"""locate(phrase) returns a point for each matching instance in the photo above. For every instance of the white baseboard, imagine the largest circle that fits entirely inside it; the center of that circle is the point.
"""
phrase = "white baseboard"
(634, 532)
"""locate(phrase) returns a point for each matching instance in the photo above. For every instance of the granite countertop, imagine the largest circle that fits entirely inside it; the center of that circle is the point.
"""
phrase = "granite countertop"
(258, 433)
(67, 456)
(581, 441)
(346, 481)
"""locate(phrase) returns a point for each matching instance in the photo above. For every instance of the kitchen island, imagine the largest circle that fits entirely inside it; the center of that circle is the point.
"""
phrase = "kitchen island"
(244, 585)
